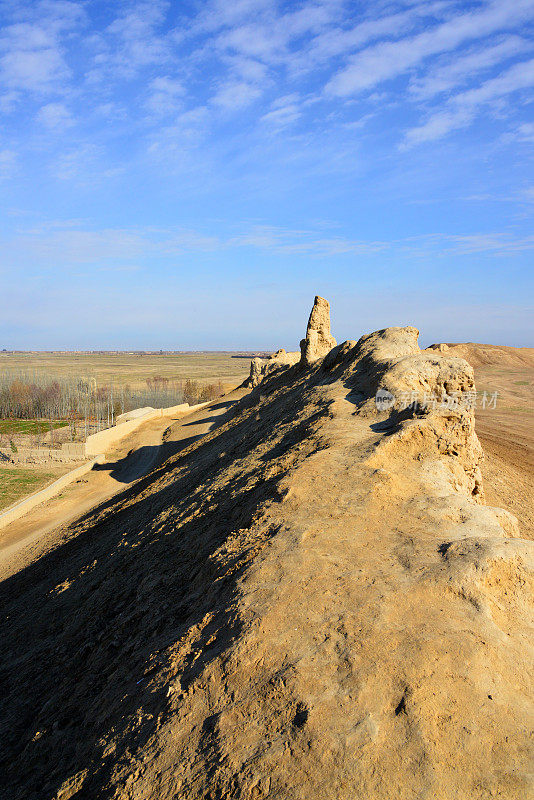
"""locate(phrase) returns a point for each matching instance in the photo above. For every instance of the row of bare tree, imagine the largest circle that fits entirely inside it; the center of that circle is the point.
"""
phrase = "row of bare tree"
(86, 406)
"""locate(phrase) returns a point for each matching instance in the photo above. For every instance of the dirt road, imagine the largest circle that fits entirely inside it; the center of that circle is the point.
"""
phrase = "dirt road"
(42, 529)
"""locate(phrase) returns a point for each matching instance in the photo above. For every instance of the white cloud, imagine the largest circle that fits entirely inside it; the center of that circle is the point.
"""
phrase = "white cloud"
(520, 76)
(54, 115)
(61, 246)
(302, 242)
(497, 243)
(254, 41)
(236, 94)
(133, 41)
(165, 96)
(79, 164)
(494, 243)
(462, 68)
(337, 40)
(185, 134)
(283, 116)
(525, 132)
(33, 70)
(220, 14)
(32, 57)
(387, 60)
(464, 107)
(247, 69)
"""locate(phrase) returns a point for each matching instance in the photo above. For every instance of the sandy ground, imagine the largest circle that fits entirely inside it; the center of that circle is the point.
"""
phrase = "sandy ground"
(508, 467)
(43, 528)
(506, 433)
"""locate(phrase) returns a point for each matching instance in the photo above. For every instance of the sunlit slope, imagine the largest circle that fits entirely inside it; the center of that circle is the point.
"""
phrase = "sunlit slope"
(310, 601)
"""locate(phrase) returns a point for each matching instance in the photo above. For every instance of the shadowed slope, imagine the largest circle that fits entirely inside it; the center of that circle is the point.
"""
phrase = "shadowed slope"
(309, 601)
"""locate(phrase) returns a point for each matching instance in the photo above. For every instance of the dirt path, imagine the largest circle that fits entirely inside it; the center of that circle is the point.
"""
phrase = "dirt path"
(507, 437)
(508, 467)
(505, 428)
(27, 539)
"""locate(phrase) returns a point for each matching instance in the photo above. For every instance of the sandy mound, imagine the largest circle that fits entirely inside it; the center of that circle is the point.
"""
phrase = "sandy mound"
(488, 354)
(310, 601)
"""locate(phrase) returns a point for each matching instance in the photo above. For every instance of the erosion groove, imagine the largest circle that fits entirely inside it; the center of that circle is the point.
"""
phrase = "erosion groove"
(311, 600)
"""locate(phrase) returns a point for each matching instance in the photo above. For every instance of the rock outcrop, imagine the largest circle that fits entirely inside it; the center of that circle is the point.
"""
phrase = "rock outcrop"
(319, 341)
(309, 601)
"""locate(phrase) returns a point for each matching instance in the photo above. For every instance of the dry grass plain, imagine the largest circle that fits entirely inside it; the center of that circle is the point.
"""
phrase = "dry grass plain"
(133, 369)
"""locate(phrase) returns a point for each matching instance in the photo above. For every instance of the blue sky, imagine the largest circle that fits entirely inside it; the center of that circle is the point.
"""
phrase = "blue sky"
(187, 175)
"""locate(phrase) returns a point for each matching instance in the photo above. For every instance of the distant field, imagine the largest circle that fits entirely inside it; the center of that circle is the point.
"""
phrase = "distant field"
(28, 426)
(17, 483)
(133, 369)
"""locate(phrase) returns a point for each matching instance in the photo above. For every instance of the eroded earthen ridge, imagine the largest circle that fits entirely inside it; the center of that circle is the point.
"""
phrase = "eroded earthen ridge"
(312, 600)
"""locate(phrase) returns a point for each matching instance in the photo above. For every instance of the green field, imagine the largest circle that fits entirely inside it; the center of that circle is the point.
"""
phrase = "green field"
(17, 483)
(30, 426)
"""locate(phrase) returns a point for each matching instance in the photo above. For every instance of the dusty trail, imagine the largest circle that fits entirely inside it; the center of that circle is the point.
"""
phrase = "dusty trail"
(506, 431)
(509, 468)
(42, 529)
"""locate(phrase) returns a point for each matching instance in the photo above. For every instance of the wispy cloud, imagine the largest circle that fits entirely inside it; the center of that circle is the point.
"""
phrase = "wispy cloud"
(301, 242)
(497, 244)
(67, 243)
(465, 106)
(165, 96)
(54, 116)
(186, 133)
(32, 53)
(132, 42)
(387, 60)
(461, 69)
(284, 111)
(236, 94)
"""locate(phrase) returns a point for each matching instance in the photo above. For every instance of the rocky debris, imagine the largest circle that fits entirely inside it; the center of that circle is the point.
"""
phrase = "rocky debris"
(309, 601)
(261, 367)
(441, 348)
(319, 341)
